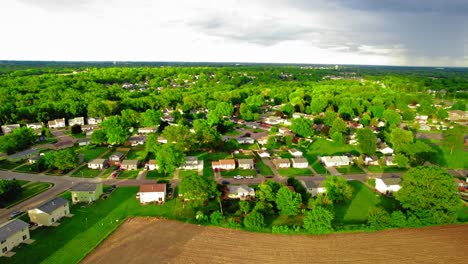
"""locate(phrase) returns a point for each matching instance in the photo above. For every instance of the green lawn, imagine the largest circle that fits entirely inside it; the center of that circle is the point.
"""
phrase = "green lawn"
(250, 146)
(463, 214)
(156, 175)
(137, 154)
(29, 191)
(385, 169)
(77, 236)
(286, 155)
(457, 160)
(92, 152)
(315, 164)
(108, 172)
(296, 220)
(185, 173)
(8, 165)
(232, 133)
(364, 199)
(243, 156)
(324, 147)
(265, 170)
(295, 172)
(130, 174)
(232, 173)
(27, 168)
(22, 182)
(86, 172)
(352, 169)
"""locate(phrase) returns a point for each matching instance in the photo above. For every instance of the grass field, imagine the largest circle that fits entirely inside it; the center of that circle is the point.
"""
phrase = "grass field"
(8, 165)
(156, 175)
(129, 174)
(324, 147)
(457, 160)
(86, 172)
(108, 172)
(232, 173)
(264, 169)
(315, 163)
(22, 182)
(27, 168)
(29, 191)
(385, 169)
(295, 172)
(76, 236)
(137, 154)
(352, 169)
(185, 173)
(92, 152)
(356, 210)
(463, 214)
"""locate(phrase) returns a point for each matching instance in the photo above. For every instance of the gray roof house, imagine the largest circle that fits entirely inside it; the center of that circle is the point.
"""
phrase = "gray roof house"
(52, 205)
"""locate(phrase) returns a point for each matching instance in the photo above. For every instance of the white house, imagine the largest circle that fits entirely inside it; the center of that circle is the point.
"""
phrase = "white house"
(35, 125)
(300, 163)
(245, 164)
(192, 163)
(147, 130)
(386, 151)
(285, 131)
(333, 161)
(387, 185)
(12, 233)
(57, 123)
(263, 140)
(282, 163)
(371, 161)
(296, 153)
(96, 164)
(94, 120)
(263, 154)
(76, 121)
(152, 165)
(240, 192)
(50, 212)
(137, 140)
(116, 157)
(313, 187)
(225, 164)
(390, 161)
(152, 193)
(6, 129)
(245, 140)
(162, 140)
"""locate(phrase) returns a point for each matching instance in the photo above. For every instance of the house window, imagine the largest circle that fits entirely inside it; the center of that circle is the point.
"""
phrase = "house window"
(3, 241)
(4, 250)
(24, 237)
(53, 220)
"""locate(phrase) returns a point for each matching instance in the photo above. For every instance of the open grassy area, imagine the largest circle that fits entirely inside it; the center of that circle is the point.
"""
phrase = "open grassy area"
(315, 164)
(8, 165)
(29, 191)
(385, 169)
(264, 169)
(324, 147)
(108, 172)
(22, 182)
(356, 210)
(86, 172)
(185, 173)
(27, 168)
(232, 173)
(92, 152)
(243, 156)
(457, 160)
(156, 175)
(296, 220)
(295, 172)
(137, 154)
(130, 174)
(463, 214)
(351, 169)
(250, 146)
(76, 236)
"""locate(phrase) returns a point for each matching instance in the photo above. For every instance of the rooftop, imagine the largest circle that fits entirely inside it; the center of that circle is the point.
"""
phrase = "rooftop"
(160, 187)
(84, 187)
(10, 228)
(52, 205)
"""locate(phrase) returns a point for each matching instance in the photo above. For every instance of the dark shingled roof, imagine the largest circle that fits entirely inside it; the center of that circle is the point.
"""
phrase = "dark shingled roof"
(10, 228)
(52, 205)
(84, 187)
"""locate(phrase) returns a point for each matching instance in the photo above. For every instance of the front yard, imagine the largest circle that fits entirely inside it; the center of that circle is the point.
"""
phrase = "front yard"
(156, 175)
(137, 154)
(128, 174)
(295, 172)
(92, 152)
(8, 165)
(241, 172)
(86, 172)
(351, 169)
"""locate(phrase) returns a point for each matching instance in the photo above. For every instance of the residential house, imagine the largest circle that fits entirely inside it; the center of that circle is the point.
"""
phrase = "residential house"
(162, 140)
(245, 164)
(76, 121)
(88, 129)
(458, 116)
(12, 233)
(240, 192)
(263, 140)
(83, 141)
(263, 154)
(273, 120)
(35, 158)
(225, 164)
(129, 164)
(390, 161)
(147, 130)
(296, 153)
(152, 165)
(333, 161)
(300, 163)
(282, 163)
(421, 119)
(93, 120)
(314, 187)
(386, 151)
(245, 140)
(152, 193)
(98, 164)
(370, 161)
(387, 185)
(192, 163)
(35, 126)
(285, 131)
(116, 157)
(86, 192)
(137, 140)
(50, 212)
(57, 123)
(424, 127)
(6, 129)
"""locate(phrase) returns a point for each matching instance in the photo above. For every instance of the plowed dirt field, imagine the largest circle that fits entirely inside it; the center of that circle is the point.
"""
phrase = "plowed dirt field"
(152, 240)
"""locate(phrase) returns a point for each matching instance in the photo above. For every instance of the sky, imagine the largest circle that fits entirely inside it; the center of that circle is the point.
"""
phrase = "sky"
(377, 32)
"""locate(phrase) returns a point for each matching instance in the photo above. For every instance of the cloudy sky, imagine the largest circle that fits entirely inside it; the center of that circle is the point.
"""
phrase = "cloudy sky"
(383, 32)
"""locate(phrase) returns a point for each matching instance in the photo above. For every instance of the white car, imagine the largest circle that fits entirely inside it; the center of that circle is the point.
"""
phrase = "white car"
(238, 177)
(249, 177)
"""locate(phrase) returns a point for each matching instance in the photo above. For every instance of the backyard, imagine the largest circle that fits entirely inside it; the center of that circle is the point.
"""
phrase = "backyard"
(137, 154)
(92, 152)
(86, 172)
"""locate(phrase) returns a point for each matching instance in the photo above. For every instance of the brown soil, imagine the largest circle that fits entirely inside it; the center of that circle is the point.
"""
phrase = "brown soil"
(152, 240)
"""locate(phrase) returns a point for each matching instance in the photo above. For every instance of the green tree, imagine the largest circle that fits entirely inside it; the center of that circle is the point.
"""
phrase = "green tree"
(117, 129)
(216, 218)
(150, 118)
(453, 139)
(378, 218)
(130, 116)
(169, 158)
(179, 134)
(367, 141)
(288, 202)
(408, 115)
(244, 207)
(151, 144)
(318, 221)
(398, 219)
(399, 137)
(428, 193)
(205, 133)
(401, 160)
(418, 152)
(197, 189)
(392, 117)
(9, 190)
(337, 188)
(339, 125)
(254, 221)
(365, 119)
(330, 117)
(288, 109)
(64, 160)
(98, 137)
(267, 191)
(442, 114)
(302, 127)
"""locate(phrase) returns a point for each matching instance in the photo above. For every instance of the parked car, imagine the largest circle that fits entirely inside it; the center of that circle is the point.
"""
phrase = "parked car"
(15, 214)
(238, 177)
(225, 182)
(249, 177)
